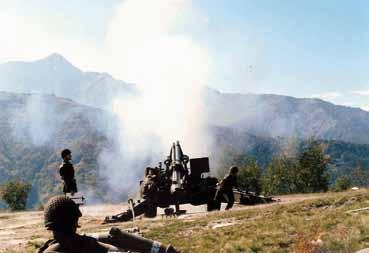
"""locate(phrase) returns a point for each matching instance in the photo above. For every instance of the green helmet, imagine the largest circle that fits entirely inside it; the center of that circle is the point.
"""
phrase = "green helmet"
(61, 214)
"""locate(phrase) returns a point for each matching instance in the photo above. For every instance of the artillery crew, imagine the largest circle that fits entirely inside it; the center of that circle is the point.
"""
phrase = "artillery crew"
(225, 188)
(67, 173)
(61, 217)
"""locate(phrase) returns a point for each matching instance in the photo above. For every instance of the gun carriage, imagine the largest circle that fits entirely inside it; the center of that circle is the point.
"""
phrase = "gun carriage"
(180, 181)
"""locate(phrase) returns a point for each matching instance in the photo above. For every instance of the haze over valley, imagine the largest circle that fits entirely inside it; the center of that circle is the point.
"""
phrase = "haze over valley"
(50, 104)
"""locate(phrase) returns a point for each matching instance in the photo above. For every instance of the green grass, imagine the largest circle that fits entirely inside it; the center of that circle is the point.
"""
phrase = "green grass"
(320, 225)
(310, 226)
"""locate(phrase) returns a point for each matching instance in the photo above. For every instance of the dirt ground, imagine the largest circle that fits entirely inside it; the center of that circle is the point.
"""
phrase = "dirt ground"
(17, 228)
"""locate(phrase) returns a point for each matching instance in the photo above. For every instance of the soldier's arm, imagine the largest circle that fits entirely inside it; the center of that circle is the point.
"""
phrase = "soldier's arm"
(226, 180)
(62, 172)
(235, 183)
(127, 241)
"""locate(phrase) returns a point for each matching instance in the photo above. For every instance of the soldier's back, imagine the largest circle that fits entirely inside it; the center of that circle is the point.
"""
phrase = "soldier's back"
(66, 170)
(227, 183)
(79, 244)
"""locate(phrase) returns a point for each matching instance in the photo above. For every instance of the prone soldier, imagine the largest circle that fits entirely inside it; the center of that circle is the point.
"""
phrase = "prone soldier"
(61, 217)
(66, 172)
(225, 188)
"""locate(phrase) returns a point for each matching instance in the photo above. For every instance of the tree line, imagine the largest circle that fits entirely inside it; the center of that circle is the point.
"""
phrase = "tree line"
(305, 170)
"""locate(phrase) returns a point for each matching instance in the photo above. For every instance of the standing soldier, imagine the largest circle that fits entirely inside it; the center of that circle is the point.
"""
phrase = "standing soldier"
(149, 184)
(67, 173)
(61, 216)
(225, 188)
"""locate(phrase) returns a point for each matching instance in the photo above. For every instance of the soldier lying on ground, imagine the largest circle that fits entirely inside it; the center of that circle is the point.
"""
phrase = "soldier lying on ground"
(61, 217)
(67, 173)
(225, 188)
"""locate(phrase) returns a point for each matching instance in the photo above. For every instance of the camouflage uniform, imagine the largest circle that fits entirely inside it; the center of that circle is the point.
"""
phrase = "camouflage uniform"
(66, 172)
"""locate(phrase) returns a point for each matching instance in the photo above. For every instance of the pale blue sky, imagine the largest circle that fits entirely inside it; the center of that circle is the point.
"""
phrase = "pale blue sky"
(298, 48)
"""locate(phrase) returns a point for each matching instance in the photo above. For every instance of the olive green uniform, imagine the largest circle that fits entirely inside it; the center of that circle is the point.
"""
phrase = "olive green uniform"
(77, 244)
(225, 191)
(61, 216)
(66, 172)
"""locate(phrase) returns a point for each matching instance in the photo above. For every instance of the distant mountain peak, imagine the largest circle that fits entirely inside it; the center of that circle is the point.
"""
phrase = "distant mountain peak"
(57, 61)
(55, 58)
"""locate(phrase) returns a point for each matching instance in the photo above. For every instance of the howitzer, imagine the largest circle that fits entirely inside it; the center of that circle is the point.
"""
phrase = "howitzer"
(176, 184)
(180, 181)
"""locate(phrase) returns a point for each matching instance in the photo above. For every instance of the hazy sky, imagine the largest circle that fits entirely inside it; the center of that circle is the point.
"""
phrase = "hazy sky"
(298, 48)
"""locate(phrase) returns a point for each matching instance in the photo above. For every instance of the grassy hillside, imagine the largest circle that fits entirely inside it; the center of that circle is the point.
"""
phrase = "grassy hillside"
(319, 225)
(300, 223)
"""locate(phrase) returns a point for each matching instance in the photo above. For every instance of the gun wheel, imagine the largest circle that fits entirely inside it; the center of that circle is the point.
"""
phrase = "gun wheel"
(212, 205)
(151, 211)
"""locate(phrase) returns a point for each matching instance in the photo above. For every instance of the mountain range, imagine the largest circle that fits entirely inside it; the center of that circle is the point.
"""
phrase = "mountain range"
(55, 75)
(284, 116)
(49, 104)
(259, 114)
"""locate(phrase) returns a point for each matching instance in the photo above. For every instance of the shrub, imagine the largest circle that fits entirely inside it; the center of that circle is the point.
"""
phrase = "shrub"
(15, 194)
(249, 178)
(342, 183)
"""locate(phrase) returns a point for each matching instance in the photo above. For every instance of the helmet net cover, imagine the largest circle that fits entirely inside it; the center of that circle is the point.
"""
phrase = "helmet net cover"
(61, 214)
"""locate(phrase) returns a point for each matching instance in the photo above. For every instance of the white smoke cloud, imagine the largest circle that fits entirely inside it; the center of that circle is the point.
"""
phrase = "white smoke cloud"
(37, 123)
(142, 46)
(170, 70)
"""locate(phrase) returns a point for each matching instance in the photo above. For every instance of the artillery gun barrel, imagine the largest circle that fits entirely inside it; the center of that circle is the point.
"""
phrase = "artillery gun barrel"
(173, 153)
(179, 153)
(177, 167)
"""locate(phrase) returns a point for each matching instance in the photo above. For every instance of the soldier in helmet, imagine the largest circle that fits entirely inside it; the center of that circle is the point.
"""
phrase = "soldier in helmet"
(67, 173)
(149, 184)
(225, 188)
(61, 216)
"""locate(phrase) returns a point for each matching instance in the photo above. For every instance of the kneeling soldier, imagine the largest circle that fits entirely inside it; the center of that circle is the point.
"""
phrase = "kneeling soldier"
(225, 188)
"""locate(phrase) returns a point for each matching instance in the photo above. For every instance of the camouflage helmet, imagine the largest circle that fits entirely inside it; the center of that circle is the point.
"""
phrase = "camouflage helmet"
(61, 214)
(233, 169)
(65, 152)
